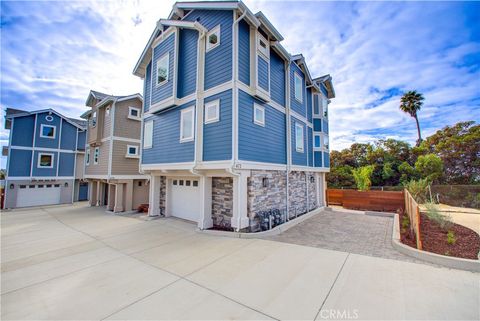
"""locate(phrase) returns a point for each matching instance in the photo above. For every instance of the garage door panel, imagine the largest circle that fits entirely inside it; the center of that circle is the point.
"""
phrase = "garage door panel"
(38, 195)
(185, 198)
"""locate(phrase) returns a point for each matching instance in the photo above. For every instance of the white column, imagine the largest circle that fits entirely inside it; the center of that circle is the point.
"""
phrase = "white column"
(99, 193)
(205, 220)
(240, 198)
(154, 197)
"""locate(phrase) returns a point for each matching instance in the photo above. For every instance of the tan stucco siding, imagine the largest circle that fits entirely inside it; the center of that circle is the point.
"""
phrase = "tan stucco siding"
(122, 165)
(102, 167)
(140, 193)
(79, 166)
(124, 126)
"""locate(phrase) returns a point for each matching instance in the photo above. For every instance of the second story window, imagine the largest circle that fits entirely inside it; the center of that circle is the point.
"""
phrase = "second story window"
(87, 156)
(263, 46)
(45, 160)
(107, 111)
(317, 111)
(213, 38)
(134, 113)
(132, 151)
(212, 111)
(299, 137)
(325, 142)
(325, 107)
(258, 115)
(298, 82)
(148, 134)
(187, 125)
(162, 69)
(317, 141)
(96, 155)
(94, 119)
(47, 131)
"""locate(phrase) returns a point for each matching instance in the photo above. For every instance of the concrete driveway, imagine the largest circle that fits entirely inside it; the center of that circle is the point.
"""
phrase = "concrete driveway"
(81, 263)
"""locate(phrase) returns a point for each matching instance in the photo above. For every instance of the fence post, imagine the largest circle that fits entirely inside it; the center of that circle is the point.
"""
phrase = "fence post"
(419, 239)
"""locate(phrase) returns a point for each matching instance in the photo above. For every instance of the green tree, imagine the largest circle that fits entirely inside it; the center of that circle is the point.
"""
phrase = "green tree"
(429, 166)
(362, 177)
(407, 172)
(411, 103)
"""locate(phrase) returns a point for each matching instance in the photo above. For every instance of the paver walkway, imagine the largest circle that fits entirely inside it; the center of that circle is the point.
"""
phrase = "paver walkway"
(79, 263)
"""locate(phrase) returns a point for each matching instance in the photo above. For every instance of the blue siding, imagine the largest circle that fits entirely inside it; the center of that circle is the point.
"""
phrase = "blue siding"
(310, 146)
(147, 88)
(217, 137)
(47, 142)
(66, 164)
(299, 158)
(263, 74)
(218, 61)
(318, 159)
(19, 162)
(317, 125)
(257, 143)
(323, 90)
(187, 62)
(326, 159)
(244, 52)
(69, 136)
(25, 126)
(83, 192)
(277, 78)
(82, 135)
(166, 139)
(44, 171)
(309, 104)
(296, 106)
(325, 126)
(164, 91)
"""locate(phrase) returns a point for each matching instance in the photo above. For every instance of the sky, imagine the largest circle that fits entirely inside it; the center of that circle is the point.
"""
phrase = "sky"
(54, 52)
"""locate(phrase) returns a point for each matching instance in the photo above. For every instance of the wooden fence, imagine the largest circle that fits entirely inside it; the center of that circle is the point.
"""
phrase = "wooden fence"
(367, 201)
(413, 211)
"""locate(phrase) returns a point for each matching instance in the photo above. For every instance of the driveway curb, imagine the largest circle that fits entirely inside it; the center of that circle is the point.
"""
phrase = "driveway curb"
(447, 261)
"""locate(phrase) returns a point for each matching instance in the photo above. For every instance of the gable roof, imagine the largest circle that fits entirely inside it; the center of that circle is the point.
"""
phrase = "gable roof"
(105, 100)
(326, 81)
(20, 113)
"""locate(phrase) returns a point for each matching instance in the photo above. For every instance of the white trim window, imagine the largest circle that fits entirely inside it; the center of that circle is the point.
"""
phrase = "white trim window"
(213, 38)
(45, 160)
(326, 145)
(132, 151)
(134, 113)
(163, 69)
(107, 111)
(299, 141)
(94, 119)
(187, 125)
(298, 87)
(259, 115)
(317, 105)
(263, 46)
(96, 155)
(87, 156)
(148, 134)
(48, 131)
(317, 141)
(212, 111)
(325, 106)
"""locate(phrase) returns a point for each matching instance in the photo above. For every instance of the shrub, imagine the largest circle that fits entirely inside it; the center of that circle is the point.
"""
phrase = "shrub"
(451, 239)
(405, 223)
(362, 177)
(418, 189)
(444, 221)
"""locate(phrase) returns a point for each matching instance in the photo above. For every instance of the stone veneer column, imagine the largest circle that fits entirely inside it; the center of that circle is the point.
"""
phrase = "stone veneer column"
(240, 201)
(118, 198)
(154, 196)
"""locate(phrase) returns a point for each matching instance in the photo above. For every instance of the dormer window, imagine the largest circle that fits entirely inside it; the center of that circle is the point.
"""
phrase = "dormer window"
(162, 69)
(213, 38)
(134, 113)
(298, 87)
(263, 46)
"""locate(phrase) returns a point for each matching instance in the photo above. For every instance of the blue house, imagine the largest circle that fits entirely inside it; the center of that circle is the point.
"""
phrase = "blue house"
(234, 125)
(45, 159)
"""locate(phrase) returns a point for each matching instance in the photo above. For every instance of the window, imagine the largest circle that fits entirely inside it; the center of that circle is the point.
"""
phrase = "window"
(140, 183)
(195, 183)
(174, 182)
(187, 125)
(263, 46)
(45, 160)
(325, 142)
(316, 105)
(317, 141)
(325, 107)
(259, 115)
(49, 118)
(148, 134)
(265, 182)
(212, 111)
(134, 113)
(132, 151)
(213, 38)
(96, 154)
(47, 131)
(187, 183)
(180, 182)
(23, 186)
(48, 185)
(298, 87)
(107, 111)
(94, 119)
(162, 69)
(87, 156)
(299, 137)
(57, 185)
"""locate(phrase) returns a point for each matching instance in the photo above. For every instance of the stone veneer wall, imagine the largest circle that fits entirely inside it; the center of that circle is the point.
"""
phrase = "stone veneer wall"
(298, 193)
(163, 194)
(312, 191)
(222, 201)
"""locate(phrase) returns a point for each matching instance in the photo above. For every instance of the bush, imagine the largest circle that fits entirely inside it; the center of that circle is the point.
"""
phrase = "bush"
(451, 239)
(429, 166)
(433, 214)
(418, 189)
(362, 177)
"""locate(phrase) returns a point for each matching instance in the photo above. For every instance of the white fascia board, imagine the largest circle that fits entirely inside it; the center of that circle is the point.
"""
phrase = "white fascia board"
(140, 66)
(195, 25)
(268, 25)
(49, 110)
(218, 5)
(137, 95)
(281, 50)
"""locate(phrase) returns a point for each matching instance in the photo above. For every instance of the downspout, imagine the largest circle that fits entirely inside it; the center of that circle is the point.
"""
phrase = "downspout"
(288, 135)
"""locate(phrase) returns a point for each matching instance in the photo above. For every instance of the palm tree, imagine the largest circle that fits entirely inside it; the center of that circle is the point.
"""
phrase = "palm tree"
(410, 103)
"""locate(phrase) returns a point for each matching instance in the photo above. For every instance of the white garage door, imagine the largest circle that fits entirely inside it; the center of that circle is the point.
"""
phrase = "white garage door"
(185, 198)
(37, 195)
